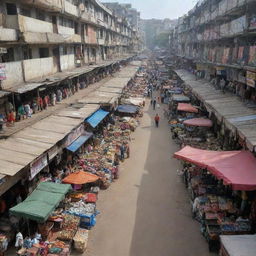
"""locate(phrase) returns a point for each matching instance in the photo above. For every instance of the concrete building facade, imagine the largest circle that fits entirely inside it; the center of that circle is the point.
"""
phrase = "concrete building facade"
(41, 38)
(217, 38)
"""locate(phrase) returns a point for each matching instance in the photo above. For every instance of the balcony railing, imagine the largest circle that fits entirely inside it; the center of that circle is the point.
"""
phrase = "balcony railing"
(27, 24)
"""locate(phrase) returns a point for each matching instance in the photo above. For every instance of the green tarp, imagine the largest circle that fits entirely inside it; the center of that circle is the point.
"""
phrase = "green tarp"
(41, 202)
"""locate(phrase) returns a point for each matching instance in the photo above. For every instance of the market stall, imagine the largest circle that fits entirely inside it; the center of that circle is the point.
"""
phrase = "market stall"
(96, 117)
(127, 109)
(241, 245)
(214, 179)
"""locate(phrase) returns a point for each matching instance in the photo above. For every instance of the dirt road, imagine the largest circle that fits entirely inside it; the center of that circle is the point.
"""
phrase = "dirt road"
(147, 212)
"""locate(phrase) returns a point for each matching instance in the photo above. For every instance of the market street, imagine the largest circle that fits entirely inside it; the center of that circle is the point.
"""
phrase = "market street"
(147, 211)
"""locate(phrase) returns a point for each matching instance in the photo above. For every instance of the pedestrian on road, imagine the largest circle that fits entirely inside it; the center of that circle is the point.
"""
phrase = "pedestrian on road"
(122, 151)
(154, 103)
(157, 119)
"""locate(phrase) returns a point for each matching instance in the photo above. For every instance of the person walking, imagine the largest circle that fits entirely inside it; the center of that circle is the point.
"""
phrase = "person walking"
(157, 119)
(154, 104)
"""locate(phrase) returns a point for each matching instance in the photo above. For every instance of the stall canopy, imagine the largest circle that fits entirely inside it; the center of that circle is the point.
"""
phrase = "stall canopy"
(200, 122)
(180, 98)
(239, 245)
(130, 109)
(97, 117)
(80, 177)
(41, 202)
(74, 146)
(186, 107)
(235, 168)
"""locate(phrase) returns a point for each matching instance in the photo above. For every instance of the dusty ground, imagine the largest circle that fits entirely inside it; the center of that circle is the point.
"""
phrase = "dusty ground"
(147, 212)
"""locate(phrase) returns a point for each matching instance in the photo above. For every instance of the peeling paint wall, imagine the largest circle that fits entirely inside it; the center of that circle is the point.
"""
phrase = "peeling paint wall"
(67, 61)
(14, 74)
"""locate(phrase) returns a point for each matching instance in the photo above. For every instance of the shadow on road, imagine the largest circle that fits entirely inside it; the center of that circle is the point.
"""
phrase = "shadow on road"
(163, 225)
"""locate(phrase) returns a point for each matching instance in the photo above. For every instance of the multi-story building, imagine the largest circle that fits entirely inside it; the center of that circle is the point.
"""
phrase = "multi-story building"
(41, 38)
(216, 41)
(218, 37)
(133, 18)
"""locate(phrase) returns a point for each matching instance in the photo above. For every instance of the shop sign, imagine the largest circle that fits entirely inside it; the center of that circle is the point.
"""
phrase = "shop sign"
(2, 72)
(250, 78)
(200, 67)
(74, 135)
(37, 166)
(220, 71)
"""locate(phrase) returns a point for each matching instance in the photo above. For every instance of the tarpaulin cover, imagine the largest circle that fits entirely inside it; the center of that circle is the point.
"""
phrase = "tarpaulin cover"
(130, 109)
(235, 168)
(74, 146)
(200, 122)
(186, 107)
(180, 98)
(80, 177)
(42, 202)
(97, 117)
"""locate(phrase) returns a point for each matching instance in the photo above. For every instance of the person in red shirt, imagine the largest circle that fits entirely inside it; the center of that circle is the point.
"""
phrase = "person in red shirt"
(157, 119)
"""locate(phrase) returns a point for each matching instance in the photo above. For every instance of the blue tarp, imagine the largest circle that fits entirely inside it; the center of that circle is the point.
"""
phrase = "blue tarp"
(74, 146)
(97, 117)
(130, 109)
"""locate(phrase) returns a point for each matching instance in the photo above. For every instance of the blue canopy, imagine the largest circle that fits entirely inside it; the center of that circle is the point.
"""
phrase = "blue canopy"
(96, 117)
(75, 145)
(130, 109)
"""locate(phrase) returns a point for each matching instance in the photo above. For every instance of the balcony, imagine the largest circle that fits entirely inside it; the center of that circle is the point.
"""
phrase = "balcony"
(101, 41)
(39, 68)
(101, 22)
(70, 9)
(50, 5)
(65, 30)
(9, 35)
(27, 24)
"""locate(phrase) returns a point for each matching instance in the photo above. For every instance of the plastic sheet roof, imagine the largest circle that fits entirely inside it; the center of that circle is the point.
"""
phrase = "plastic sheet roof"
(235, 168)
(74, 146)
(200, 122)
(186, 107)
(97, 117)
(80, 178)
(41, 202)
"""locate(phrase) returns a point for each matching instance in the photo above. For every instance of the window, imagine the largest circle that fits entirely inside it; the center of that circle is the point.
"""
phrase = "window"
(25, 12)
(40, 15)
(27, 53)
(11, 9)
(76, 28)
(9, 56)
(43, 52)
(86, 29)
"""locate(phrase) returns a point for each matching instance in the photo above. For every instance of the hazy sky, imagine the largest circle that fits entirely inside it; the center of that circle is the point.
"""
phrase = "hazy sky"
(160, 9)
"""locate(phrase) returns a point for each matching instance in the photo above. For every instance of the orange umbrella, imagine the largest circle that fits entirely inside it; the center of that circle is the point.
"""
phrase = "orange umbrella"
(80, 177)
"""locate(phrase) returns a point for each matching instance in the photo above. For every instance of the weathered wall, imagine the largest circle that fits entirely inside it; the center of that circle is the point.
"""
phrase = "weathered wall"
(92, 35)
(65, 30)
(14, 74)
(8, 34)
(37, 68)
(67, 61)
(34, 25)
(70, 8)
